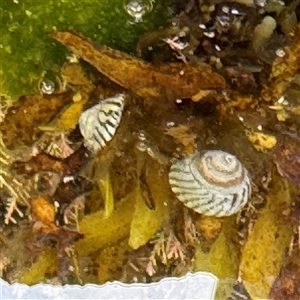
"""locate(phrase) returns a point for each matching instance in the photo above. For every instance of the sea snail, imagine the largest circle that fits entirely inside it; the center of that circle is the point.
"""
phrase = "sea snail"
(99, 123)
(212, 183)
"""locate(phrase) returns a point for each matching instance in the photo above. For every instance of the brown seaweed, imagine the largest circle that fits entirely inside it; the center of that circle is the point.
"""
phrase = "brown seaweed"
(287, 158)
(29, 112)
(171, 80)
(46, 230)
(286, 285)
(284, 68)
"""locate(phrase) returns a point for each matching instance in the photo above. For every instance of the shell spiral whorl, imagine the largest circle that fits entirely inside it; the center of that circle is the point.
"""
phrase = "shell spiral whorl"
(211, 182)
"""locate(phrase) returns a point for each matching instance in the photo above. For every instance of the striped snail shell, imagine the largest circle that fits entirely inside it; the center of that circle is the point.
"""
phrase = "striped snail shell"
(212, 183)
(99, 123)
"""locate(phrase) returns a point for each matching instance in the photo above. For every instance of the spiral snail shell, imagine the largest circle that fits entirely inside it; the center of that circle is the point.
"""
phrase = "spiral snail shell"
(213, 183)
(99, 123)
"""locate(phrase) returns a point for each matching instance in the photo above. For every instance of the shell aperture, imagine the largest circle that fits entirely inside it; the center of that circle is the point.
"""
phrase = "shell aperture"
(99, 123)
(213, 182)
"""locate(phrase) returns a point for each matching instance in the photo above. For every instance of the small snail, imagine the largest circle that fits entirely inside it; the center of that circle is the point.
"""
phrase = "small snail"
(99, 123)
(213, 183)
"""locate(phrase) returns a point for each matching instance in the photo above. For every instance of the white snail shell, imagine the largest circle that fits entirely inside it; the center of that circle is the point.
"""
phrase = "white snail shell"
(99, 123)
(213, 183)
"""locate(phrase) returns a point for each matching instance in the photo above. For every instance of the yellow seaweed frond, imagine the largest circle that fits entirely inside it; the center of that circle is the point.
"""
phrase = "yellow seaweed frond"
(46, 263)
(70, 117)
(105, 187)
(145, 221)
(100, 231)
(264, 250)
(219, 261)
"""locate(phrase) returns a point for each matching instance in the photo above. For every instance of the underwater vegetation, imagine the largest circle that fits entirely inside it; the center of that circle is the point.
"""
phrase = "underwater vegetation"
(111, 174)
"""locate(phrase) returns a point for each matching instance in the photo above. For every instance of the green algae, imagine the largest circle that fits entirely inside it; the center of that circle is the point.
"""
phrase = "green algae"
(27, 52)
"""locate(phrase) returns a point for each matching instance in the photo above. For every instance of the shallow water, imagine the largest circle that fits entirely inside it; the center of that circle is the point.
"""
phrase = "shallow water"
(129, 225)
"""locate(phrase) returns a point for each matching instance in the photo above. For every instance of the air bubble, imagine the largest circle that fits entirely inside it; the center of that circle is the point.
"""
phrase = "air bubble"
(47, 87)
(210, 34)
(280, 53)
(141, 135)
(138, 8)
